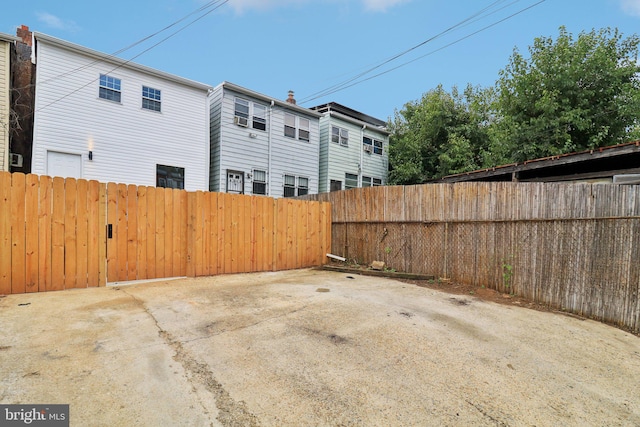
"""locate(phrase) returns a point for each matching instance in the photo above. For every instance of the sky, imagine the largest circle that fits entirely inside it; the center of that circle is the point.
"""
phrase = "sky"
(373, 56)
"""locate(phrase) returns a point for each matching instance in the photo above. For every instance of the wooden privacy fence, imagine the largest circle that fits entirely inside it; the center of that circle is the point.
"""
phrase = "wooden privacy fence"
(575, 247)
(60, 233)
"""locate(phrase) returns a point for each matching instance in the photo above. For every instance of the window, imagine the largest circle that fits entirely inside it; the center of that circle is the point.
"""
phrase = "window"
(350, 181)
(303, 132)
(289, 125)
(150, 98)
(169, 177)
(339, 135)
(371, 145)
(296, 127)
(259, 117)
(259, 182)
(110, 88)
(368, 181)
(235, 182)
(289, 186)
(303, 186)
(242, 108)
(335, 185)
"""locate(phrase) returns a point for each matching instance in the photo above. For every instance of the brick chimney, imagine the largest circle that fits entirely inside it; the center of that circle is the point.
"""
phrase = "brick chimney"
(23, 33)
(291, 99)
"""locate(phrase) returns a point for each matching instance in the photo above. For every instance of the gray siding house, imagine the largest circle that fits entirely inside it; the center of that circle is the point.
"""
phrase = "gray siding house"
(354, 149)
(261, 145)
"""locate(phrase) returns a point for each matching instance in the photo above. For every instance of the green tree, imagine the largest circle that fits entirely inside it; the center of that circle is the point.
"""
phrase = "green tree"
(441, 134)
(571, 94)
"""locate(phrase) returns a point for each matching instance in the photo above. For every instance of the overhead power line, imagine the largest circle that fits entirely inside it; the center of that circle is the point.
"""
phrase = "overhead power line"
(358, 79)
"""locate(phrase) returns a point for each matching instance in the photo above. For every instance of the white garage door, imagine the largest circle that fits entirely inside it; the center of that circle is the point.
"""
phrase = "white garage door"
(64, 164)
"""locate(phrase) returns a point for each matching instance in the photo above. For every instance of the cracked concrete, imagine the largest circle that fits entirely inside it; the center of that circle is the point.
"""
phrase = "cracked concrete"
(310, 347)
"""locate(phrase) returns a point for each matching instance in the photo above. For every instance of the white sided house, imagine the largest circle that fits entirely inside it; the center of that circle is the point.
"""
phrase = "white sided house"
(6, 43)
(354, 149)
(260, 145)
(103, 118)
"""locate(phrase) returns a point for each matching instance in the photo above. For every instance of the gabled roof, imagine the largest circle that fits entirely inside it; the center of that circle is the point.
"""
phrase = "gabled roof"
(118, 62)
(603, 162)
(268, 99)
(349, 112)
(7, 38)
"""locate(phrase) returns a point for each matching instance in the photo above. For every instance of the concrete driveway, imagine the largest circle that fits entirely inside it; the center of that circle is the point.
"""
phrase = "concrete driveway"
(310, 348)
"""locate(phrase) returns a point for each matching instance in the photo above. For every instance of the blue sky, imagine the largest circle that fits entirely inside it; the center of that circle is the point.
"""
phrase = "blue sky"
(272, 46)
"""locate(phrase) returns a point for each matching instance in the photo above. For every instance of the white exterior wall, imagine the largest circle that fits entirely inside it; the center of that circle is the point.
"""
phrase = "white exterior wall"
(337, 160)
(5, 100)
(127, 141)
(245, 149)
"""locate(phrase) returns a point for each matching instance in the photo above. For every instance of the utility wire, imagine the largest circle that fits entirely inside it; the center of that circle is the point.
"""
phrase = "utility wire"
(357, 79)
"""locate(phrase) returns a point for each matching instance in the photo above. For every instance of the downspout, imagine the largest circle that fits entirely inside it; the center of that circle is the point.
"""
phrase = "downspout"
(361, 155)
(269, 148)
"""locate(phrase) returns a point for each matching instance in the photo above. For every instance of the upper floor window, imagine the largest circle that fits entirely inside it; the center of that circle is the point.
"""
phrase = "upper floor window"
(249, 113)
(151, 98)
(259, 117)
(303, 132)
(110, 88)
(340, 135)
(371, 145)
(289, 125)
(296, 127)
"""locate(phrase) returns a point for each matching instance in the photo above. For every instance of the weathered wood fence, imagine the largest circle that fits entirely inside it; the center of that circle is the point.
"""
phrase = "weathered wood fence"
(60, 233)
(575, 247)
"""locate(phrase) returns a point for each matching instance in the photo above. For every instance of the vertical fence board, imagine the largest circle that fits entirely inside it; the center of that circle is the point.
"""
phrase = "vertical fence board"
(44, 227)
(160, 259)
(121, 234)
(18, 237)
(168, 233)
(199, 236)
(70, 233)
(112, 219)
(132, 232)
(206, 234)
(93, 234)
(184, 212)
(5, 233)
(141, 233)
(57, 234)
(151, 233)
(82, 233)
(32, 198)
(221, 232)
(176, 234)
(191, 234)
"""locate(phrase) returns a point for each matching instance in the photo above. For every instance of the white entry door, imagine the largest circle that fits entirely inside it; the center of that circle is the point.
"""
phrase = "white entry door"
(64, 164)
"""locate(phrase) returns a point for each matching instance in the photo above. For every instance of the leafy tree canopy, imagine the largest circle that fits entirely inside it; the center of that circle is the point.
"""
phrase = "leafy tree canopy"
(570, 94)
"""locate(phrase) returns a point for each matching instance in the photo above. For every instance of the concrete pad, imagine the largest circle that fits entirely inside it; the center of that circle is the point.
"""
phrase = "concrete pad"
(310, 347)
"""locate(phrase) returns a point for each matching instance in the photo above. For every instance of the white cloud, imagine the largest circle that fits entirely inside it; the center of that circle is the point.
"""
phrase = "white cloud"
(241, 6)
(381, 5)
(55, 22)
(631, 7)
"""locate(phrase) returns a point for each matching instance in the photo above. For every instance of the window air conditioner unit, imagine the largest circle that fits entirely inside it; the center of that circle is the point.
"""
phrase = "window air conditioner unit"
(241, 121)
(15, 160)
(368, 149)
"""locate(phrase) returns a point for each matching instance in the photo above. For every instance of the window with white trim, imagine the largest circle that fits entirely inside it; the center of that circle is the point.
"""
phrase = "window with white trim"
(289, 125)
(259, 117)
(368, 181)
(350, 181)
(259, 182)
(289, 186)
(340, 135)
(303, 131)
(151, 99)
(303, 186)
(110, 88)
(247, 113)
(371, 145)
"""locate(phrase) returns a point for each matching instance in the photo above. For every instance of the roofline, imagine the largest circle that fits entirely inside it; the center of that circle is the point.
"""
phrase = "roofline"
(119, 61)
(357, 122)
(269, 99)
(331, 106)
(543, 162)
(8, 38)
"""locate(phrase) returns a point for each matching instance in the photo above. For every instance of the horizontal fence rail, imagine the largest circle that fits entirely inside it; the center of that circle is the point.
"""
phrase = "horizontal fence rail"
(571, 246)
(58, 233)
